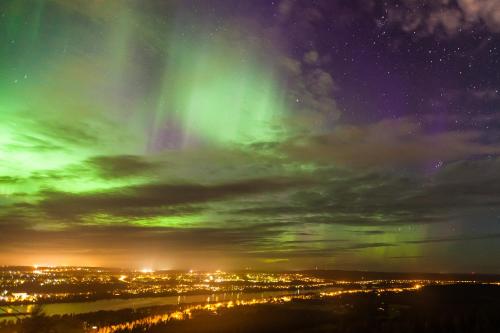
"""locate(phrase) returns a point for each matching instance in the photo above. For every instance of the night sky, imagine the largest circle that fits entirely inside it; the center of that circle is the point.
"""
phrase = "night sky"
(211, 134)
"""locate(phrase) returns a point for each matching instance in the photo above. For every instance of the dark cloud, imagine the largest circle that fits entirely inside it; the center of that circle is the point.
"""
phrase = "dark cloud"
(368, 232)
(135, 199)
(454, 239)
(381, 199)
(137, 240)
(9, 179)
(123, 166)
(78, 132)
(406, 257)
(258, 228)
(387, 144)
(306, 251)
(360, 246)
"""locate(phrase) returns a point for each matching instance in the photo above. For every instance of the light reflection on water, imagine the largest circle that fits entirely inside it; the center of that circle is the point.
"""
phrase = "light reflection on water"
(136, 303)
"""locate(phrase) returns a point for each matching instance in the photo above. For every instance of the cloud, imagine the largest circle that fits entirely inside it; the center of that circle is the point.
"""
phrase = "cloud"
(97, 179)
(450, 20)
(128, 245)
(486, 95)
(453, 239)
(368, 232)
(274, 260)
(444, 17)
(285, 8)
(313, 252)
(406, 257)
(486, 11)
(346, 198)
(388, 143)
(381, 199)
(150, 199)
(123, 166)
(310, 94)
(126, 239)
(311, 57)
(256, 219)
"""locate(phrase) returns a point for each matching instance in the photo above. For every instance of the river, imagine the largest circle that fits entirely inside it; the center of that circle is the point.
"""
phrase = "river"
(143, 302)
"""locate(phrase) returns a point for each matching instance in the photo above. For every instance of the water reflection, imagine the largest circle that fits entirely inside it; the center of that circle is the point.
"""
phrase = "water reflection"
(136, 303)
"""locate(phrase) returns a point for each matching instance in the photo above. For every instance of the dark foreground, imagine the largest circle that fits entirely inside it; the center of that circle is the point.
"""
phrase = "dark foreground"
(452, 308)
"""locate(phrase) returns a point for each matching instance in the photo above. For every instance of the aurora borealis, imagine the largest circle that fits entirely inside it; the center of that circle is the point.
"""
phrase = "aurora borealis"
(265, 134)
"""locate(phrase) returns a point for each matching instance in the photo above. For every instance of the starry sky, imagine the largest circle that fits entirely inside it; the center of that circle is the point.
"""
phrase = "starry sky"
(232, 134)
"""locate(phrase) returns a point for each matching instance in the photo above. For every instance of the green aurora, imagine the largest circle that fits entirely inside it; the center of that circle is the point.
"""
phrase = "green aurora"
(132, 138)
